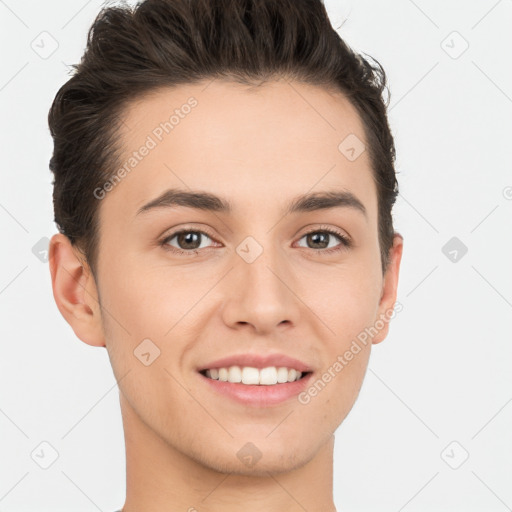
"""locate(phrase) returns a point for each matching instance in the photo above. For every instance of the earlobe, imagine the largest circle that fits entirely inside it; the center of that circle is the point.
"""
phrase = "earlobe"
(74, 291)
(389, 290)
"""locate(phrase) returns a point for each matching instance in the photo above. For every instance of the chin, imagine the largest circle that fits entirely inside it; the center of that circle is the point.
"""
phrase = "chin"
(273, 464)
(255, 458)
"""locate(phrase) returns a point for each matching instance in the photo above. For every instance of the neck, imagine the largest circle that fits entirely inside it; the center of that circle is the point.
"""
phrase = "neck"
(160, 478)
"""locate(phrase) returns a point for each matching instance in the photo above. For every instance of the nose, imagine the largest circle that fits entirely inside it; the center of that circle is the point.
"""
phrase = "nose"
(260, 294)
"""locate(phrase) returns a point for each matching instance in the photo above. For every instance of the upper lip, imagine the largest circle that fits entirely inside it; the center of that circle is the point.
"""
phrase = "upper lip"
(258, 361)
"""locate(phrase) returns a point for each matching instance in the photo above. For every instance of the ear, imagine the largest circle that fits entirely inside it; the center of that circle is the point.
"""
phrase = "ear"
(74, 291)
(389, 289)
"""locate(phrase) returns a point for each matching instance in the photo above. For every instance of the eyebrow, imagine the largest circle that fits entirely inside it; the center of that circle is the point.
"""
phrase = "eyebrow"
(210, 202)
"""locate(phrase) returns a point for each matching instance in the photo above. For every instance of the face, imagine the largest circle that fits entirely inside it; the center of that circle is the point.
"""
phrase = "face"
(252, 271)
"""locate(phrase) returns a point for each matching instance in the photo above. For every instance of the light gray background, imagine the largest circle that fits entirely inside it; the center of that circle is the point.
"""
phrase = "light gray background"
(438, 389)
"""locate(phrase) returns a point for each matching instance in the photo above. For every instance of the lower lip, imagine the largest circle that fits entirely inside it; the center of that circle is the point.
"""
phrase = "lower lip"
(259, 395)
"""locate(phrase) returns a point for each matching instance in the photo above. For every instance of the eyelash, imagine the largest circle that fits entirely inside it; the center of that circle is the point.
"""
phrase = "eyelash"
(346, 242)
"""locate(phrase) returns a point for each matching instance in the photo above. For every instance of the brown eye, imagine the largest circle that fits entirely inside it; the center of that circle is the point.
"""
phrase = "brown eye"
(189, 240)
(324, 240)
(186, 240)
(318, 240)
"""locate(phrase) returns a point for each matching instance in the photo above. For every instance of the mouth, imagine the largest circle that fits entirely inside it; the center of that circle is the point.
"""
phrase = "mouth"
(251, 376)
(256, 380)
(261, 388)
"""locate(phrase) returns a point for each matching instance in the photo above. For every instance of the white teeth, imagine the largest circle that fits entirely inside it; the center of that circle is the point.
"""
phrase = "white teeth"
(282, 375)
(234, 374)
(249, 375)
(268, 376)
(223, 374)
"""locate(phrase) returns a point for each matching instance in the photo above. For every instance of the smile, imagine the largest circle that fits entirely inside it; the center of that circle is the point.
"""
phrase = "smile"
(240, 385)
(248, 375)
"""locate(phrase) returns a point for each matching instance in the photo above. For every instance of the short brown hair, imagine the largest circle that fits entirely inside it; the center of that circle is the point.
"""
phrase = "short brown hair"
(134, 50)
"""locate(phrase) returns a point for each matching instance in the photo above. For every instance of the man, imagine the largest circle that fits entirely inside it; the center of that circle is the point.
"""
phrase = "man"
(223, 189)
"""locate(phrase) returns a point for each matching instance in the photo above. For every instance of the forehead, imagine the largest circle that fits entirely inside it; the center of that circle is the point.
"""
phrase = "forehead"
(255, 146)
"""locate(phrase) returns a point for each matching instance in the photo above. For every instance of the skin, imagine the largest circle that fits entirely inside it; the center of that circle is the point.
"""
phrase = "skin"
(258, 148)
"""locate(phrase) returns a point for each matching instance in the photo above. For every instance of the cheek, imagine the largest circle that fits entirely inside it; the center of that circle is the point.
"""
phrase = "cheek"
(145, 301)
(329, 398)
(346, 300)
(347, 306)
(150, 303)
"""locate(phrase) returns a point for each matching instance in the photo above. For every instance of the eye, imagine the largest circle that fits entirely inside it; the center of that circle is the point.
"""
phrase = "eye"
(320, 240)
(188, 241)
